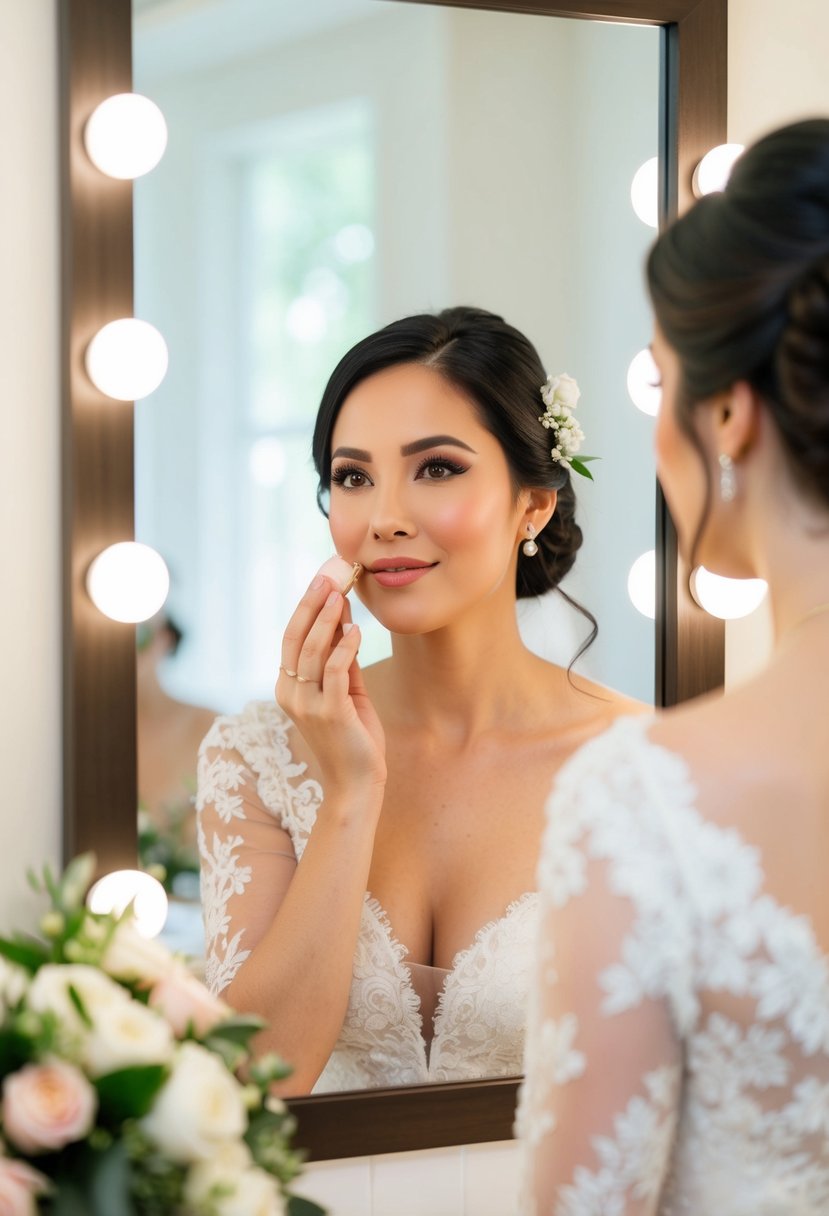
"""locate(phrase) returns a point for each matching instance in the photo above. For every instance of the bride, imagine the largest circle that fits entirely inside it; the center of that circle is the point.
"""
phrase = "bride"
(369, 843)
(678, 1057)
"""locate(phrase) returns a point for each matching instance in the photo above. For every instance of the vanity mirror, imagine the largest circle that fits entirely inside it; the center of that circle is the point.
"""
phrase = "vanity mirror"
(100, 705)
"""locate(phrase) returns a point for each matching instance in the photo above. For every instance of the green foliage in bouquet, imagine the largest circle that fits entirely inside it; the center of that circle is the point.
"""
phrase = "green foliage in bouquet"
(120, 1094)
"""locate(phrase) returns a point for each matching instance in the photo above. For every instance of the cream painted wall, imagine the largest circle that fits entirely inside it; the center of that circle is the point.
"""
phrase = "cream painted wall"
(776, 54)
(30, 753)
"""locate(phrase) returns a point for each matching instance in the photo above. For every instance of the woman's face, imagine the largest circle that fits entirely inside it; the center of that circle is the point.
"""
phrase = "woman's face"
(421, 496)
(679, 464)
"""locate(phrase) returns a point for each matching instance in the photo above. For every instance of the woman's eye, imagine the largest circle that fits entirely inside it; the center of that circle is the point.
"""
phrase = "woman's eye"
(439, 470)
(350, 479)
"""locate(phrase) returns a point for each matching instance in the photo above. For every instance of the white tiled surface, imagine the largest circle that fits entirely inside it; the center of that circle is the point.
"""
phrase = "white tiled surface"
(477, 1180)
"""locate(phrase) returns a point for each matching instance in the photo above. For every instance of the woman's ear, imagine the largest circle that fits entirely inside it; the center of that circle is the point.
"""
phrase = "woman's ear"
(736, 418)
(540, 508)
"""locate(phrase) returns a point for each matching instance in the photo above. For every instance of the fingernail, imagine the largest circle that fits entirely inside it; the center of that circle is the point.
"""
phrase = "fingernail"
(347, 627)
(332, 599)
(317, 583)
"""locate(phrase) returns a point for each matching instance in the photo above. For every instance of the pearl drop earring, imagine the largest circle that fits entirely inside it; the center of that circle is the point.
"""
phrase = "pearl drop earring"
(728, 478)
(529, 547)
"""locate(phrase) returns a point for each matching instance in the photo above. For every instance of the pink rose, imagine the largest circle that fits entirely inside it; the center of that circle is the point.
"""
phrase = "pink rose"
(19, 1184)
(183, 999)
(46, 1106)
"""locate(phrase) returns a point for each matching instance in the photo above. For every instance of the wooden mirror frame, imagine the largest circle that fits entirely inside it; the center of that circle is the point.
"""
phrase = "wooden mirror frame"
(100, 796)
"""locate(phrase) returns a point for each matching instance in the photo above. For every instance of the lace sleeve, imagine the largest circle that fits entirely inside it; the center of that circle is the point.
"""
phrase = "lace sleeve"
(247, 857)
(598, 1107)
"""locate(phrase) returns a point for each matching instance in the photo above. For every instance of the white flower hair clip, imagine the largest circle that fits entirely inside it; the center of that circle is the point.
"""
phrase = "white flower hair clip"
(560, 395)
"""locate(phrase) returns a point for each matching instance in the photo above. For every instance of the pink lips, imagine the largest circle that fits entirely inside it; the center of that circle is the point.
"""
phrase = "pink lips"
(400, 571)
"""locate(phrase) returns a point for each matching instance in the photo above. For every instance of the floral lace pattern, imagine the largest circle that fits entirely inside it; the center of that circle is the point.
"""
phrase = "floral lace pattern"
(711, 1008)
(479, 1024)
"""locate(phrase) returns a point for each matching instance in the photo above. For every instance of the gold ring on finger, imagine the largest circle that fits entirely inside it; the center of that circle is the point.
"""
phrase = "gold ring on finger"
(305, 680)
(291, 674)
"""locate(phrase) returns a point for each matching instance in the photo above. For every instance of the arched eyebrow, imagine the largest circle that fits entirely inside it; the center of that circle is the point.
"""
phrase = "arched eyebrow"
(408, 449)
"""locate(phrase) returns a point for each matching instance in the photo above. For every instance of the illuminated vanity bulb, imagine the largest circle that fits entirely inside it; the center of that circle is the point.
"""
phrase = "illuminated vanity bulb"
(644, 192)
(128, 582)
(643, 383)
(727, 598)
(714, 170)
(127, 359)
(126, 135)
(642, 584)
(116, 891)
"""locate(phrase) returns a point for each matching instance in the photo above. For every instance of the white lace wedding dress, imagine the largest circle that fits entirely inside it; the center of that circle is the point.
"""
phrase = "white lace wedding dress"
(678, 1042)
(404, 1025)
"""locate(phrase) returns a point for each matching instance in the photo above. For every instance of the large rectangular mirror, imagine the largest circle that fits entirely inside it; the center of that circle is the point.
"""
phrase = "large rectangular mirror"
(524, 211)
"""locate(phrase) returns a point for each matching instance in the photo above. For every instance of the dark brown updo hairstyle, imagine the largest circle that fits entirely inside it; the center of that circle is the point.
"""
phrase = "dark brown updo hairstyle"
(499, 371)
(740, 288)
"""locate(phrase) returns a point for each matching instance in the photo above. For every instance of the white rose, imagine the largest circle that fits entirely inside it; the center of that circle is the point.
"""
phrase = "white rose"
(133, 957)
(565, 391)
(200, 1107)
(13, 983)
(230, 1185)
(126, 1035)
(49, 993)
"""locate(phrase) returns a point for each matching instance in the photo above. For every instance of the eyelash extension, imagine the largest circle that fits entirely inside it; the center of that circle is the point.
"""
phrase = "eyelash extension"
(339, 475)
(451, 465)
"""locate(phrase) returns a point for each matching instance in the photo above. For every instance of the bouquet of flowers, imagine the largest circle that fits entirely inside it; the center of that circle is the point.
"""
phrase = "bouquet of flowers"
(119, 1070)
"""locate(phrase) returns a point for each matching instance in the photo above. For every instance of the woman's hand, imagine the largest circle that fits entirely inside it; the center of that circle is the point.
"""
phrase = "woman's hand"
(321, 688)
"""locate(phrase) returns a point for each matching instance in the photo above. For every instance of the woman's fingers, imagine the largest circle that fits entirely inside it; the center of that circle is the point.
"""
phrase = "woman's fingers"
(306, 613)
(337, 675)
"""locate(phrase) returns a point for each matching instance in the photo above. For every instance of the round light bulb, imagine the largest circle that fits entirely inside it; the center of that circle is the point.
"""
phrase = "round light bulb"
(727, 598)
(644, 192)
(642, 584)
(126, 135)
(643, 383)
(116, 891)
(713, 171)
(127, 359)
(128, 582)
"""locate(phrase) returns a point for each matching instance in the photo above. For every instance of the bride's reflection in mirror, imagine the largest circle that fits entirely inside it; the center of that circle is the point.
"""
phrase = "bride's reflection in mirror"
(322, 179)
(369, 842)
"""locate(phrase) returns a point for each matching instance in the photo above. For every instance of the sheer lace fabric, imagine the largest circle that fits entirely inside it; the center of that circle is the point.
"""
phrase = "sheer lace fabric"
(256, 810)
(678, 1043)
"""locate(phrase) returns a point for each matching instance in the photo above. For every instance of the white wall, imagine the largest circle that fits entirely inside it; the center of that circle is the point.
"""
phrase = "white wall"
(776, 66)
(30, 668)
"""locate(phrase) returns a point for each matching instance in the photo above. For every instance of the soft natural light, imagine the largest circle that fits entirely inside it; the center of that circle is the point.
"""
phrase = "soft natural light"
(128, 582)
(642, 584)
(116, 891)
(267, 461)
(126, 135)
(354, 243)
(644, 192)
(306, 320)
(727, 598)
(642, 382)
(713, 171)
(127, 359)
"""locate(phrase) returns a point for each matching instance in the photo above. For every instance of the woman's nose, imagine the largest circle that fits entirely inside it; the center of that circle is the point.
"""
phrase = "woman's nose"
(390, 517)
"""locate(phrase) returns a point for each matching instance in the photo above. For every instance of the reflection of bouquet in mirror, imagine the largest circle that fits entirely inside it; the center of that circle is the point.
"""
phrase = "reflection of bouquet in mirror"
(168, 852)
(119, 1086)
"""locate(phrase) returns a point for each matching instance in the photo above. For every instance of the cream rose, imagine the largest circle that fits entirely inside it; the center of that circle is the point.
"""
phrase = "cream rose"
(49, 992)
(130, 956)
(183, 1000)
(200, 1107)
(46, 1106)
(229, 1184)
(126, 1035)
(561, 391)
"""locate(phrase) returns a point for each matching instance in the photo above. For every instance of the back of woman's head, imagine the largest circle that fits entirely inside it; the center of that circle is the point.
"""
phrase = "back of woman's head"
(500, 373)
(740, 288)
